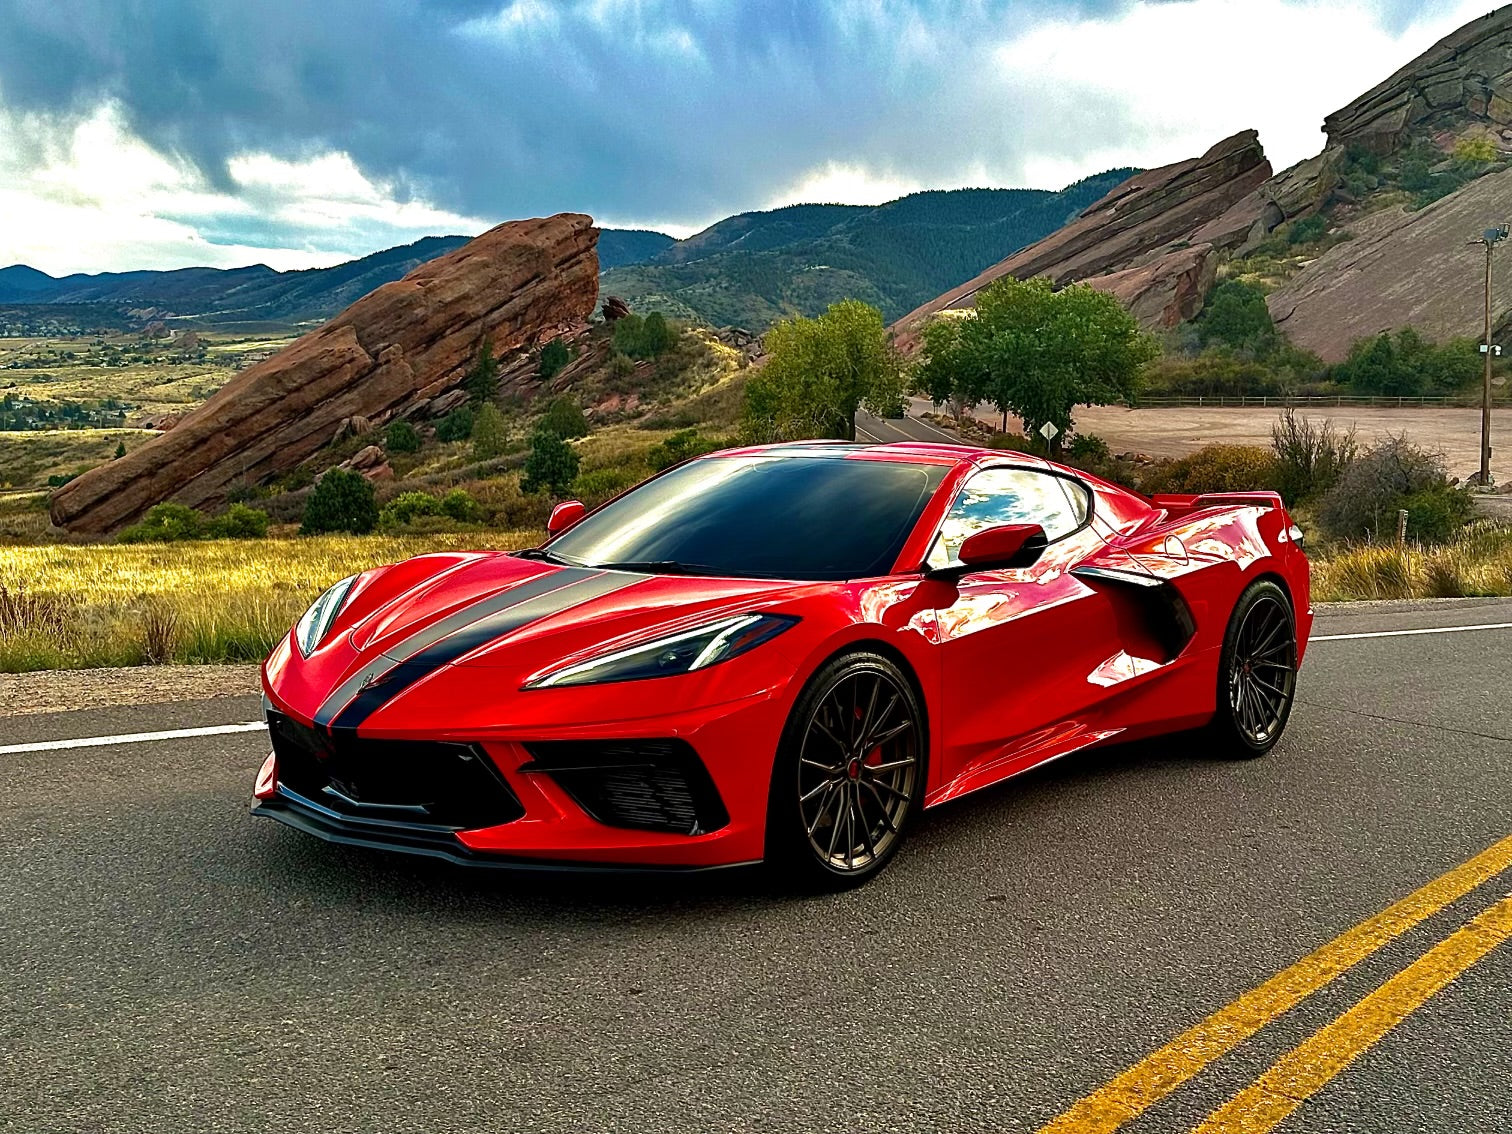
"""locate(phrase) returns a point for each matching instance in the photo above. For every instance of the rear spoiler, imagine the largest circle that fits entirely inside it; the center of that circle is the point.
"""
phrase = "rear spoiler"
(1180, 505)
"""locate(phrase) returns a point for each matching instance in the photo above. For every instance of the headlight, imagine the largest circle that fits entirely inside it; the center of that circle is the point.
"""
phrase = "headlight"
(314, 623)
(677, 653)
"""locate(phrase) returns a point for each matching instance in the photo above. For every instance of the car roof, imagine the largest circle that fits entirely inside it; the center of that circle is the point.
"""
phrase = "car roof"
(915, 452)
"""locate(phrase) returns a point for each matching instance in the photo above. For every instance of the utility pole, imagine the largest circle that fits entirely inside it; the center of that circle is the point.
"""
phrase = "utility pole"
(1490, 238)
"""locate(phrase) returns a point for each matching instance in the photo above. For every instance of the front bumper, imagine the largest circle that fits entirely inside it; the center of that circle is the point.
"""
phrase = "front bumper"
(702, 775)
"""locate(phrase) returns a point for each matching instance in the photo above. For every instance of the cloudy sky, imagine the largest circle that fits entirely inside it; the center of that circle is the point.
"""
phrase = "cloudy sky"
(164, 133)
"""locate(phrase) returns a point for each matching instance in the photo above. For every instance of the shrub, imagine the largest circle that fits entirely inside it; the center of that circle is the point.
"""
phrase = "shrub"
(1217, 468)
(635, 337)
(1436, 515)
(455, 426)
(551, 465)
(482, 382)
(564, 417)
(460, 506)
(406, 507)
(1309, 455)
(1308, 229)
(554, 356)
(401, 437)
(239, 522)
(1236, 316)
(1014, 443)
(680, 447)
(1475, 151)
(343, 501)
(1088, 448)
(1364, 500)
(490, 433)
(597, 485)
(621, 365)
(165, 523)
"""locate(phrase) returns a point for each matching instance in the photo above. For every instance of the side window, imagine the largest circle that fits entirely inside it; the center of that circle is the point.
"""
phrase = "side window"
(994, 497)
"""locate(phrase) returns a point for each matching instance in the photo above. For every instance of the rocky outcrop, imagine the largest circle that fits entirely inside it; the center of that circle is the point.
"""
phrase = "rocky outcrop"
(406, 342)
(1165, 291)
(1466, 76)
(1136, 226)
(1400, 269)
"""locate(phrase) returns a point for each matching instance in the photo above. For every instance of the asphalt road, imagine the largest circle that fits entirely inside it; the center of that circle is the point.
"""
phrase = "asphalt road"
(169, 964)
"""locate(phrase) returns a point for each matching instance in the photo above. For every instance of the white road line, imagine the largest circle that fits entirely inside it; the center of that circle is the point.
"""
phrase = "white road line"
(951, 437)
(131, 738)
(1403, 633)
(869, 436)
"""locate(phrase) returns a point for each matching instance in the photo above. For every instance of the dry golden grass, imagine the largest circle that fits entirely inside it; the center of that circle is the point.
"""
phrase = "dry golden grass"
(1479, 562)
(216, 601)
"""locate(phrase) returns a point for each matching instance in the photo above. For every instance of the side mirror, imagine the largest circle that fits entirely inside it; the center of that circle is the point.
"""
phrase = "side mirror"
(997, 549)
(564, 515)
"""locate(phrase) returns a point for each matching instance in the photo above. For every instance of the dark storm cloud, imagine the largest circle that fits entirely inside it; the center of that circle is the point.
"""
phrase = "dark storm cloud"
(682, 109)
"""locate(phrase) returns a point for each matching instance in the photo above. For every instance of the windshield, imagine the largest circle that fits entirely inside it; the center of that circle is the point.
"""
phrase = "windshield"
(782, 517)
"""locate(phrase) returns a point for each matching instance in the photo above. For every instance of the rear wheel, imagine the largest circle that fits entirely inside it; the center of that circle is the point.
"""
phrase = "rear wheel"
(849, 775)
(1257, 673)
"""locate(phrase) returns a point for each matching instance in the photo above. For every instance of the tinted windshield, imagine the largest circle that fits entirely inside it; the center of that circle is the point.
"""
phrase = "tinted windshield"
(783, 517)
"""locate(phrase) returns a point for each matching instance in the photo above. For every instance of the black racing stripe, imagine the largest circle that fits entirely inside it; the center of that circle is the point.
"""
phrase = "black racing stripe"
(470, 637)
(544, 583)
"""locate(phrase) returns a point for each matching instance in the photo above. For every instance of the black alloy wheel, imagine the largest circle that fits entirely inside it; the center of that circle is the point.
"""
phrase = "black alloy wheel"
(850, 774)
(1257, 676)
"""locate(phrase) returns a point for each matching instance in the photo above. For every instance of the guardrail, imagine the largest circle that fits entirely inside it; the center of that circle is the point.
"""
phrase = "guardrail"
(1283, 400)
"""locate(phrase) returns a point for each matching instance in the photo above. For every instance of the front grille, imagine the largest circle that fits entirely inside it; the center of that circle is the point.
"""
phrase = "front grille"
(409, 782)
(650, 785)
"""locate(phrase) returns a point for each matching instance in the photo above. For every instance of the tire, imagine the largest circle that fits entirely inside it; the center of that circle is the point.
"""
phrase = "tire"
(849, 775)
(1257, 674)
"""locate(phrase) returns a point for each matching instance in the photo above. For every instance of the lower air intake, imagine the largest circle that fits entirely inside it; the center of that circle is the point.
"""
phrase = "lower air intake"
(648, 785)
(414, 783)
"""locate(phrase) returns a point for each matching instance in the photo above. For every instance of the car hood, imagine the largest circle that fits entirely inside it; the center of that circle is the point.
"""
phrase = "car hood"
(514, 616)
(476, 607)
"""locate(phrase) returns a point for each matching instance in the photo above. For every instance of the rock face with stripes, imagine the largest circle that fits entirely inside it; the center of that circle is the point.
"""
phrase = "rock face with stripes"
(518, 285)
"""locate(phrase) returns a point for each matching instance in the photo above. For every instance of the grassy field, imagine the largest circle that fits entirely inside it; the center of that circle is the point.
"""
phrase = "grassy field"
(216, 601)
(28, 458)
(229, 601)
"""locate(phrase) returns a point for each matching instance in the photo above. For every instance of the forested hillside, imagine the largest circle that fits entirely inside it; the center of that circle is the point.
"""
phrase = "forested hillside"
(753, 268)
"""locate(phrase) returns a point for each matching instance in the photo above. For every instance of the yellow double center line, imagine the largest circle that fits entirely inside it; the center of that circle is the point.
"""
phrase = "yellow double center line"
(1315, 1062)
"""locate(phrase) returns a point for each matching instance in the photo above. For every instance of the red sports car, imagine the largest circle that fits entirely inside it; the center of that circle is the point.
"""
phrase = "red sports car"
(780, 653)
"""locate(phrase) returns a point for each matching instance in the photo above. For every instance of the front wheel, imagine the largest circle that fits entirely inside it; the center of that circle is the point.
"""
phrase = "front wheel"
(1257, 672)
(849, 773)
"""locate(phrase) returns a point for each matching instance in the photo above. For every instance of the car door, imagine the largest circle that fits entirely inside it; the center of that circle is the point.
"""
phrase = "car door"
(1017, 646)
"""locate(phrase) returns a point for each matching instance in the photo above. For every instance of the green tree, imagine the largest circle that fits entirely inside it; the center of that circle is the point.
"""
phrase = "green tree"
(819, 371)
(490, 433)
(120, 450)
(1036, 352)
(552, 464)
(455, 426)
(1236, 316)
(659, 335)
(483, 380)
(564, 417)
(401, 437)
(343, 501)
(554, 356)
(630, 336)
(1407, 365)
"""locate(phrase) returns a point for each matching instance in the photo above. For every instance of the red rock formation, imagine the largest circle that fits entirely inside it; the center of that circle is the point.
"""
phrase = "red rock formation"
(1167, 291)
(408, 341)
(1466, 76)
(1134, 226)
(1401, 269)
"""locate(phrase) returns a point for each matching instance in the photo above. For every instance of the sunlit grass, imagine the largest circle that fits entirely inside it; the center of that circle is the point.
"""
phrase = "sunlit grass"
(216, 601)
(1478, 563)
